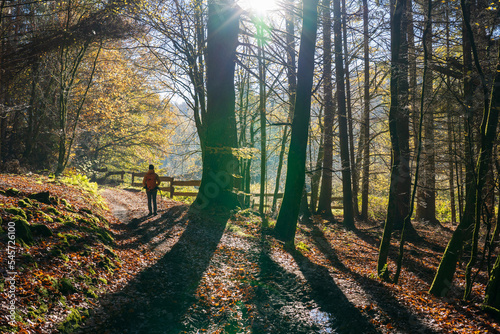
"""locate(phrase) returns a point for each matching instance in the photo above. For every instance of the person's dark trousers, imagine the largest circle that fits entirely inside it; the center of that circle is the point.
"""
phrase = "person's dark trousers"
(152, 201)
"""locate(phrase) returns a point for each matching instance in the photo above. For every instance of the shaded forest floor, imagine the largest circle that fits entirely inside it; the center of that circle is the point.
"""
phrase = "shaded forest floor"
(181, 271)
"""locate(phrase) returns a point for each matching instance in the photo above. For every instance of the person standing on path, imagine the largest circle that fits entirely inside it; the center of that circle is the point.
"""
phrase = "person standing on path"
(151, 181)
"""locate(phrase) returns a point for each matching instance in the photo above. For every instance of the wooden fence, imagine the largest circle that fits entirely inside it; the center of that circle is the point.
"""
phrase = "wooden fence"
(169, 185)
(337, 200)
(172, 183)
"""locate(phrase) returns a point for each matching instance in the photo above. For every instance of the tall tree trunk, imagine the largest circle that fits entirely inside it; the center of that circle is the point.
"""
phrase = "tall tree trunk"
(458, 173)
(412, 74)
(286, 223)
(263, 118)
(426, 202)
(281, 158)
(219, 138)
(243, 141)
(354, 167)
(292, 88)
(316, 177)
(492, 296)
(397, 12)
(341, 104)
(451, 155)
(325, 197)
(407, 218)
(365, 125)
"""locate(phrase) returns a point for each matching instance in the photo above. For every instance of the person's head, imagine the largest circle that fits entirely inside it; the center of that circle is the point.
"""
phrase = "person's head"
(151, 167)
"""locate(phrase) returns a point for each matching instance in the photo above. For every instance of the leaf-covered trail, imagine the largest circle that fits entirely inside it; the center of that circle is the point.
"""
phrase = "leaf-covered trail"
(227, 275)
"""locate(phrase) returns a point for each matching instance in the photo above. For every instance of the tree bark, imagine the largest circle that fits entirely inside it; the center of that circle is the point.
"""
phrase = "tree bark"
(341, 104)
(492, 297)
(316, 177)
(397, 12)
(286, 223)
(365, 125)
(218, 138)
(325, 197)
(292, 87)
(426, 202)
(354, 167)
(488, 135)
(263, 118)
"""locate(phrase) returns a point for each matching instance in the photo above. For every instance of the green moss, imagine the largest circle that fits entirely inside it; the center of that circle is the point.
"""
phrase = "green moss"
(107, 264)
(46, 217)
(25, 203)
(68, 238)
(92, 272)
(90, 292)
(17, 212)
(53, 211)
(38, 313)
(42, 291)
(64, 239)
(41, 230)
(70, 224)
(103, 280)
(103, 220)
(27, 257)
(72, 237)
(72, 321)
(86, 210)
(12, 192)
(109, 252)
(86, 251)
(89, 222)
(57, 251)
(104, 236)
(303, 247)
(66, 287)
(23, 232)
(58, 220)
(66, 203)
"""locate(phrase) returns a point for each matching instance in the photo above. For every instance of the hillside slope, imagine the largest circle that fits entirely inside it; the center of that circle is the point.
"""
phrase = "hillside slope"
(66, 254)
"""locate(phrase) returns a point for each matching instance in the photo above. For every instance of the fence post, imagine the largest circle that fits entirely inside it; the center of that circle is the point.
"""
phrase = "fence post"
(172, 188)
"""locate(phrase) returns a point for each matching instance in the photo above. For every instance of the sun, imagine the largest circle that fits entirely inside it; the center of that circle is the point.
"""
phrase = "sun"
(259, 7)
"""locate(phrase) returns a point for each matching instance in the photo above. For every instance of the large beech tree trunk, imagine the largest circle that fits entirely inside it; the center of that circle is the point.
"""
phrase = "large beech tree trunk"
(218, 135)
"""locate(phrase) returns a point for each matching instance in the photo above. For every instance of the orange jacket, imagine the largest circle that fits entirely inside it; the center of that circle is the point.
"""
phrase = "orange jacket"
(151, 180)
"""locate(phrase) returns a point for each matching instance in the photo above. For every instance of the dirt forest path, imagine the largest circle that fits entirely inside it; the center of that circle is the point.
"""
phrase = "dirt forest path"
(225, 275)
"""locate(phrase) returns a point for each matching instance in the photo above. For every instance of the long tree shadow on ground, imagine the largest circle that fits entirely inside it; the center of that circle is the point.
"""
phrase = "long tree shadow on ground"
(144, 229)
(401, 315)
(286, 305)
(157, 299)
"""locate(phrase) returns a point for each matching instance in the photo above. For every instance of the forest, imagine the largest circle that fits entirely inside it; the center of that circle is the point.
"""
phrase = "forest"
(328, 122)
